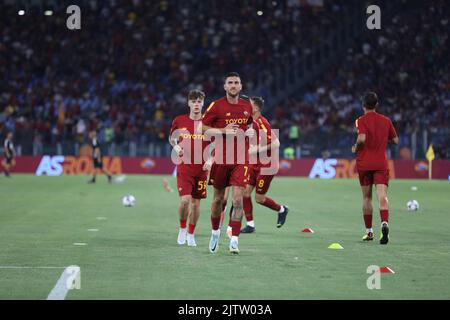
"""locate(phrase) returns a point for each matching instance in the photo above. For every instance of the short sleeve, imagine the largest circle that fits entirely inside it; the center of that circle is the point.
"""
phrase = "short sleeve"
(392, 132)
(360, 126)
(268, 130)
(210, 115)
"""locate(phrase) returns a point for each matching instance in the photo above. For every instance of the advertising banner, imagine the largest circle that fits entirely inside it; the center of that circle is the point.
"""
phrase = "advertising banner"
(312, 168)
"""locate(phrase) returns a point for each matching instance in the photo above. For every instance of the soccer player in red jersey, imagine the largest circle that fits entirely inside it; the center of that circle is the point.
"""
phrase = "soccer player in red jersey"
(226, 121)
(191, 176)
(266, 144)
(374, 132)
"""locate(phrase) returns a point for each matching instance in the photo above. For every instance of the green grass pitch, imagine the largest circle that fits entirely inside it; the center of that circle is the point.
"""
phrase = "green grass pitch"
(134, 254)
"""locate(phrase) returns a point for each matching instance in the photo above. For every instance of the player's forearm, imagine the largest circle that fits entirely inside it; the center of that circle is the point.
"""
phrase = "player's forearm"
(210, 156)
(273, 145)
(173, 142)
(358, 145)
(212, 131)
(394, 141)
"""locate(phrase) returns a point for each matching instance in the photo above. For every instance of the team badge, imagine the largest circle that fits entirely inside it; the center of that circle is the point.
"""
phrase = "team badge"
(246, 113)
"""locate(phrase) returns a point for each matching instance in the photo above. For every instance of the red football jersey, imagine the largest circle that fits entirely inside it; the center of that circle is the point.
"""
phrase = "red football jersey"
(264, 136)
(192, 142)
(378, 130)
(221, 113)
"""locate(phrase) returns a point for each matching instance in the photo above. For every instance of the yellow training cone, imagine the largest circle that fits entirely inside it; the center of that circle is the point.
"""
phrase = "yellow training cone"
(335, 246)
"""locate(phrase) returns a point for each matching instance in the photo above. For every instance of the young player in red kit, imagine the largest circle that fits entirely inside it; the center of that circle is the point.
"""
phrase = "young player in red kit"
(374, 132)
(227, 120)
(266, 144)
(191, 176)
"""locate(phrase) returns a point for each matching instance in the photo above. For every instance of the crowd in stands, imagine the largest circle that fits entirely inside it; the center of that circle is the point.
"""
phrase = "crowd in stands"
(406, 63)
(127, 71)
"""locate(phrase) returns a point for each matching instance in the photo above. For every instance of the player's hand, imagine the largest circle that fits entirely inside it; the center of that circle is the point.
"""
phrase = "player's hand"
(250, 133)
(231, 129)
(207, 165)
(253, 149)
(178, 150)
(353, 148)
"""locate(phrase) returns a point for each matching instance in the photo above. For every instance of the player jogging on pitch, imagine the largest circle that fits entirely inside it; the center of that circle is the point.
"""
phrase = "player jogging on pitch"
(266, 143)
(97, 158)
(191, 177)
(222, 120)
(374, 132)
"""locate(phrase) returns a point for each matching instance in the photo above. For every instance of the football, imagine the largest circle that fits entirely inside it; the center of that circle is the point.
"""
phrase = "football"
(412, 205)
(128, 201)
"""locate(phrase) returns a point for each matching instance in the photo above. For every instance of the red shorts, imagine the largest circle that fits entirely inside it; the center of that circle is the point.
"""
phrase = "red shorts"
(224, 175)
(369, 177)
(262, 183)
(194, 185)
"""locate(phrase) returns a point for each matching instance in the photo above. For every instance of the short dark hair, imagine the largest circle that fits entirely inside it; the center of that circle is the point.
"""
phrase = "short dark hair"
(196, 94)
(370, 100)
(231, 74)
(259, 101)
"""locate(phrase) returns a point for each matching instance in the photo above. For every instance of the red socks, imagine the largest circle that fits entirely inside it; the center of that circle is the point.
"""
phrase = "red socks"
(368, 220)
(215, 223)
(182, 224)
(269, 203)
(248, 208)
(236, 228)
(191, 228)
(384, 215)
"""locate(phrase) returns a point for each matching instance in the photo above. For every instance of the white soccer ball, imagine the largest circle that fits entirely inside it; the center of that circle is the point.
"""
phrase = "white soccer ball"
(128, 201)
(412, 205)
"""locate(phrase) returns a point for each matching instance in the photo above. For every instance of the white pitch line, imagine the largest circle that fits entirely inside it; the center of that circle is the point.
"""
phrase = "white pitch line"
(93, 230)
(29, 267)
(80, 244)
(101, 218)
(69, 279)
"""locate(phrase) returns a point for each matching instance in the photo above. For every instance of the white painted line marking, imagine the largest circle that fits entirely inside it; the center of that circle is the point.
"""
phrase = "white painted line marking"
(93, 230)
(80, 244)
(29, 267)
(69, 279)
(101, 218)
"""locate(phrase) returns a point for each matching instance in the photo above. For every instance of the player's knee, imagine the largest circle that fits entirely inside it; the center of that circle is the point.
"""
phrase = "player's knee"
(367, 199)
(195, 205)
(185, 201)
(217, 201)
(237, 202)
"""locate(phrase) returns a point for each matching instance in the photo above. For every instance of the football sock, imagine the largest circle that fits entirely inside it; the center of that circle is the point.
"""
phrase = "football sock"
(236, 227)
(182, 224)
(269, 203)
(368, 220)
(230, 213)
(215, 222)
(191, 228)
(384, 216)
(281, 209)
(251, 223)
(248, 208)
